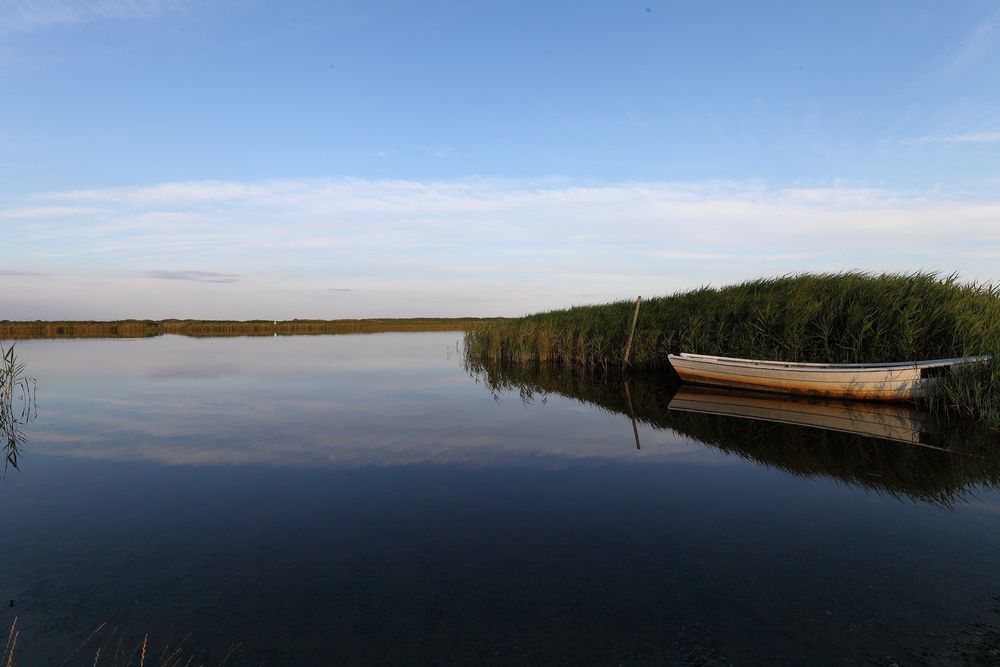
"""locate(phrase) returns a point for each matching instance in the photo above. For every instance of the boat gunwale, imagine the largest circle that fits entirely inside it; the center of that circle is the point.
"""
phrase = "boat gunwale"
(820, 367)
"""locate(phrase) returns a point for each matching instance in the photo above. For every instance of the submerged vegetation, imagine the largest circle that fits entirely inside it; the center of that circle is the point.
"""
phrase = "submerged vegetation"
(835, 318)
(207, 328)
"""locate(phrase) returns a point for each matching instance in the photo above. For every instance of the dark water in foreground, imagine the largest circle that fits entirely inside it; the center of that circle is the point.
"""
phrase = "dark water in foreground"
(361, 499)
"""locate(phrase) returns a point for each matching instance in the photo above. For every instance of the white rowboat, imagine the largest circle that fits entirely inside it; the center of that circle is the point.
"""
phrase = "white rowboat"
(900, 381)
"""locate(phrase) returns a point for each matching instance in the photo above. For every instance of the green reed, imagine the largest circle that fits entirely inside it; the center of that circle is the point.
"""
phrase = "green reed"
(849, 317)
(17, 405)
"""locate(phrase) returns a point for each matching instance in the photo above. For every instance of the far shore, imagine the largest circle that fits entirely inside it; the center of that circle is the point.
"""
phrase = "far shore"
(11, 330)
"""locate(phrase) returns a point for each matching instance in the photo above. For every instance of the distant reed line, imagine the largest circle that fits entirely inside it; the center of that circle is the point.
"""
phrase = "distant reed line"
(205, 328)
(851, 317)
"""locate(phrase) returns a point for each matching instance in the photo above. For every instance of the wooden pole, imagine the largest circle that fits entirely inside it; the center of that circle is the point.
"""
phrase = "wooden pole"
(635, 318)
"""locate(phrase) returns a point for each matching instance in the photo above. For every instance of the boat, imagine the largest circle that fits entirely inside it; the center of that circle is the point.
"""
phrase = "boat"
(898, 381)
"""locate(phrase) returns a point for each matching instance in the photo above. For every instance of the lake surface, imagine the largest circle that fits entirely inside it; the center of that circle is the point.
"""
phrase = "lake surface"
(366, 500)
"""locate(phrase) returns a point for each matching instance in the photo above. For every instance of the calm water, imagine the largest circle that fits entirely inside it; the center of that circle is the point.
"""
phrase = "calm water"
(362, 499)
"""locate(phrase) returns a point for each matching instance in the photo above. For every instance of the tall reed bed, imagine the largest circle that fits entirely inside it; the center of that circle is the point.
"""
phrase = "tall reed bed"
(839, 318)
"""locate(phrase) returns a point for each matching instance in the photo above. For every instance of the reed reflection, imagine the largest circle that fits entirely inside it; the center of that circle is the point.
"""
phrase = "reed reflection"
(888, 449)
(17, 406)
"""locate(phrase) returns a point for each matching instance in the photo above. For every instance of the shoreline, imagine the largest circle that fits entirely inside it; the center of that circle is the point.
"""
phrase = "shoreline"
(134, 328)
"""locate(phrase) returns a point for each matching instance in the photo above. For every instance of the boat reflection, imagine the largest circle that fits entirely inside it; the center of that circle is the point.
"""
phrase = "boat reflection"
(877, 420)
(892, 450)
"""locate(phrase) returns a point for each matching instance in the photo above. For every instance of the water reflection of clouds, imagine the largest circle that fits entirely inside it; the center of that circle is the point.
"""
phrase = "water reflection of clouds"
(389, 449)
(342, 401)
(316, 432)
(70, 362)
(194, 372)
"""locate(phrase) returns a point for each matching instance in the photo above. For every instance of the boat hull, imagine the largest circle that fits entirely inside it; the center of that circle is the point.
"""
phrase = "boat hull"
(878, 382)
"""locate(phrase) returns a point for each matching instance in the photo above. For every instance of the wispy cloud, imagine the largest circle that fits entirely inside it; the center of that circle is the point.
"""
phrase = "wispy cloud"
(39, 212)
(977, 44)
(469, 246)
(197, 276)
(14, 272)
(971, 138)
(440, 153)
(25, 15)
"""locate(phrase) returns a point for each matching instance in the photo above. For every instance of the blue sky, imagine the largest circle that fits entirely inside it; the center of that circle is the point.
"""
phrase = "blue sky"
(165, 158)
